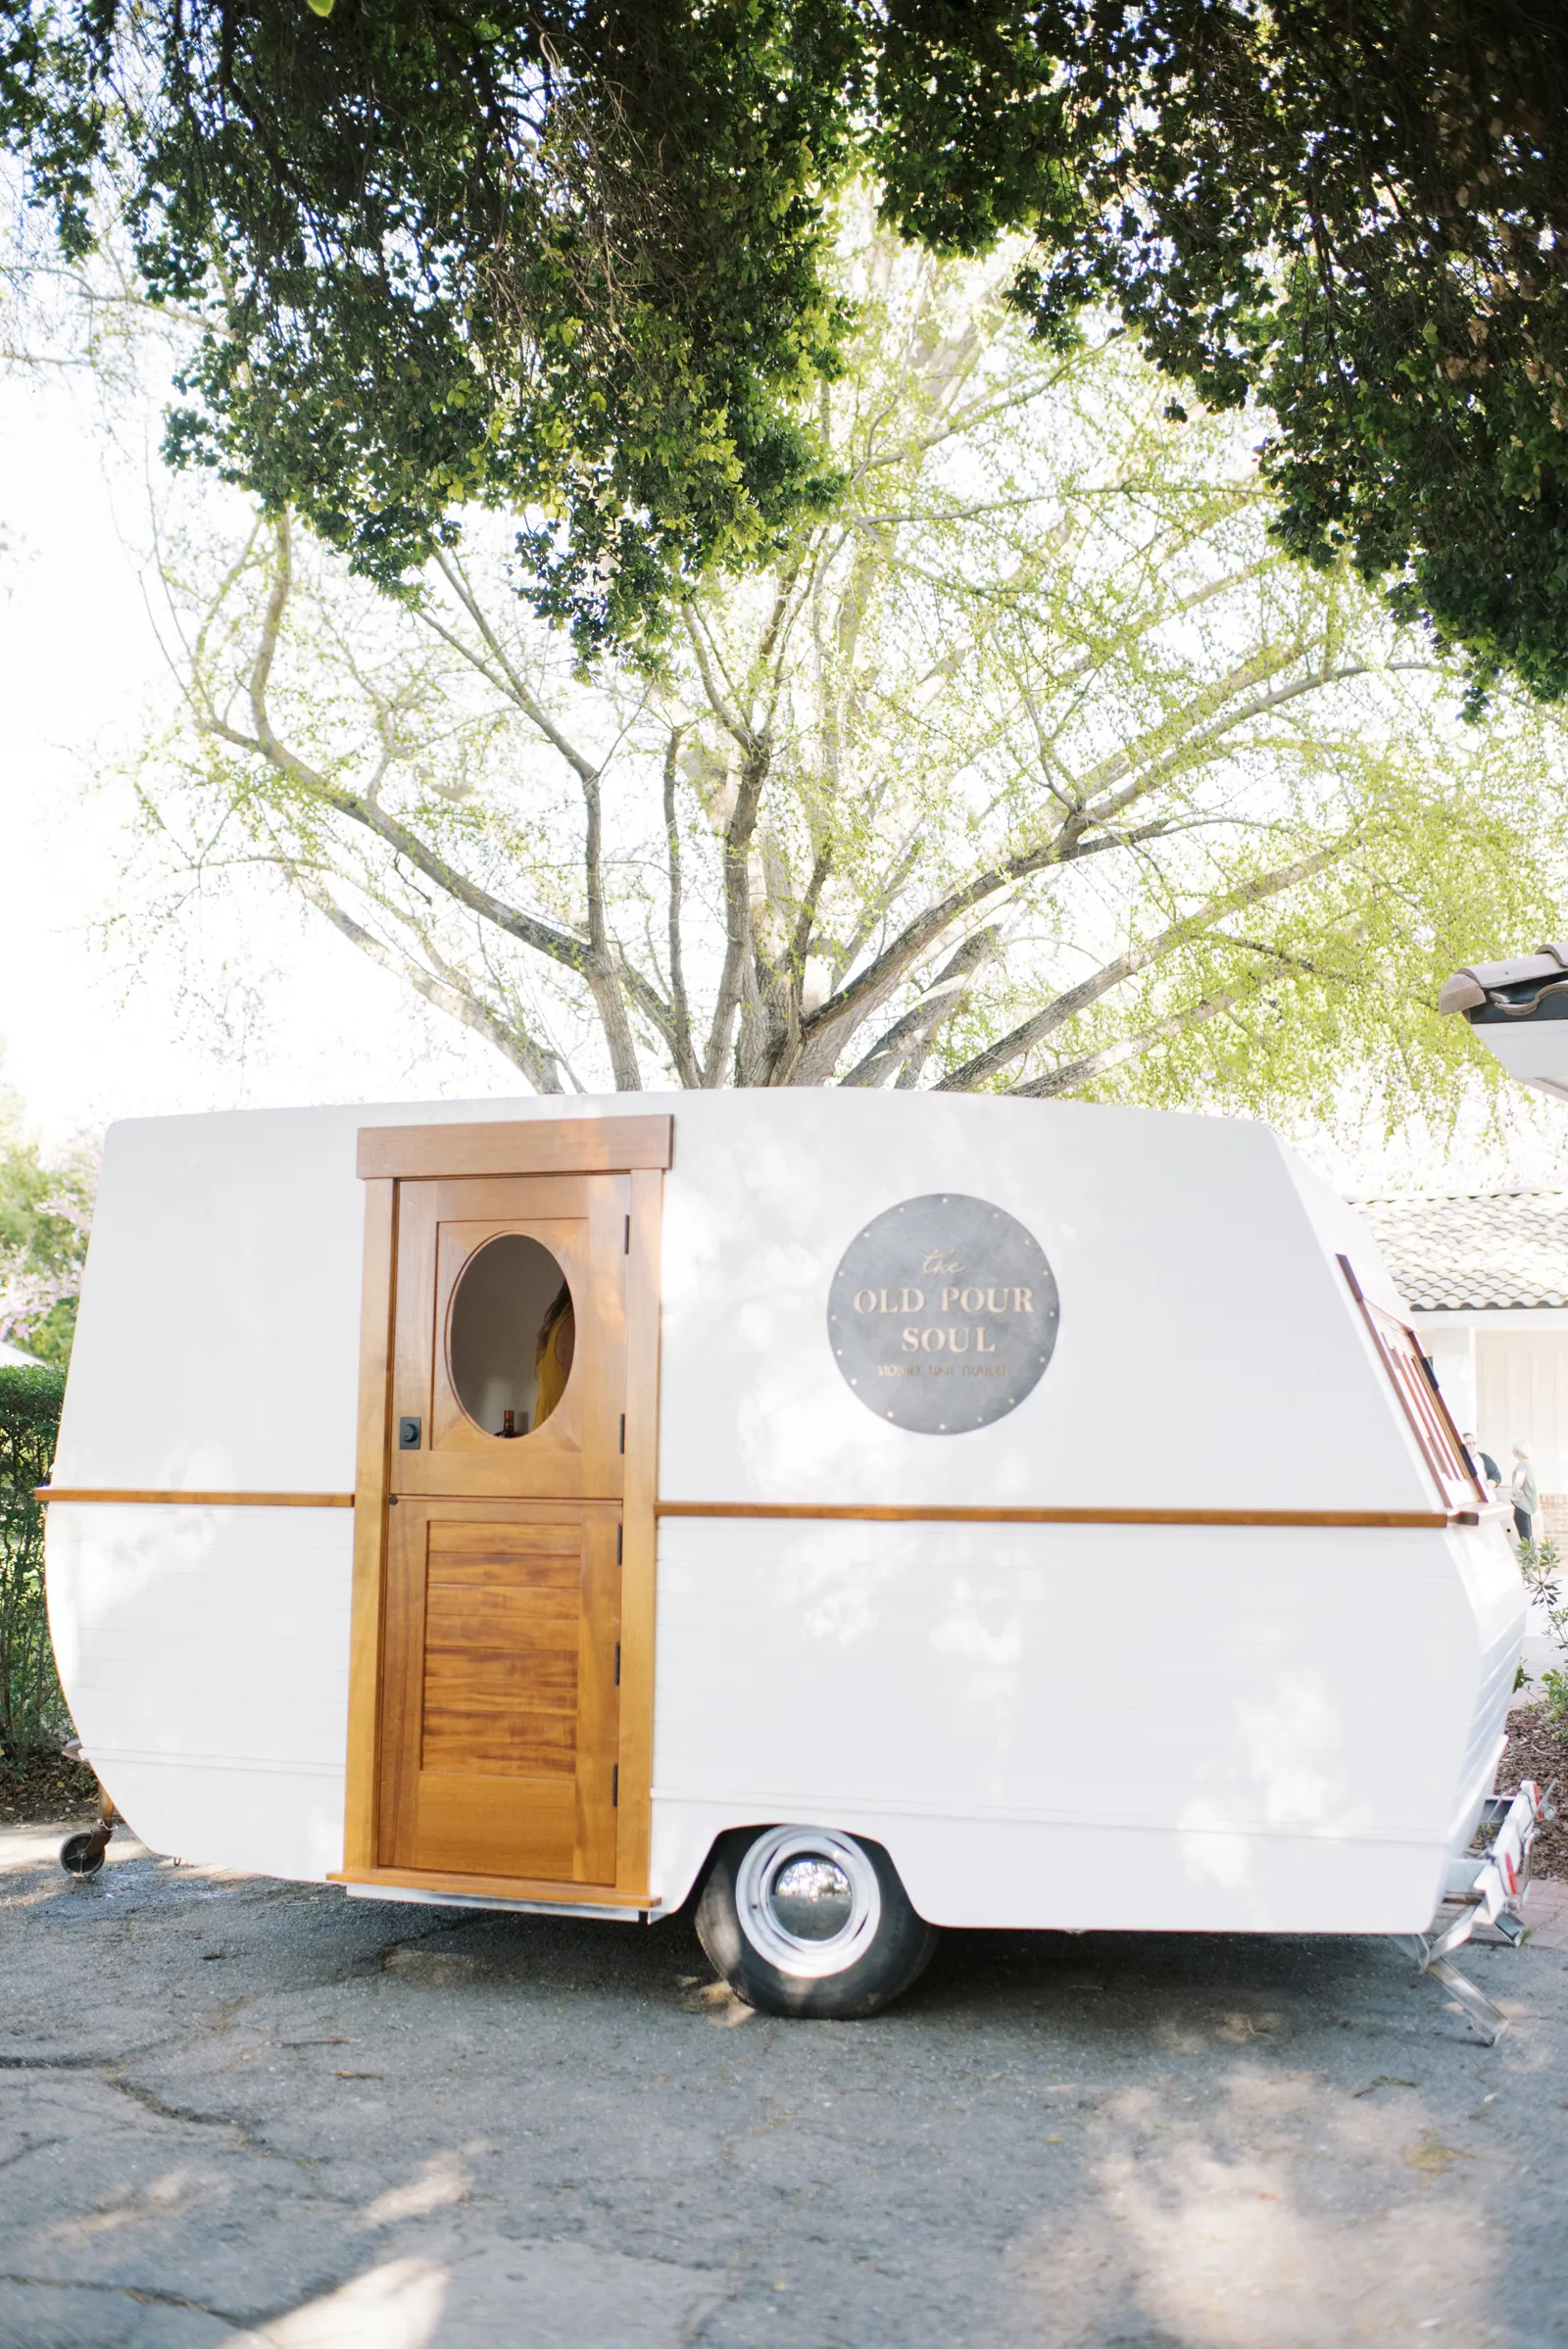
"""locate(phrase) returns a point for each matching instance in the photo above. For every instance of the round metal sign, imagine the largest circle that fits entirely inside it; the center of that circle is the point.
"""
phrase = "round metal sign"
(943, 1315)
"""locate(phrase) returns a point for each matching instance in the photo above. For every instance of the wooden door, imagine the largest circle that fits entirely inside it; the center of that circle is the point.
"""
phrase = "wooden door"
(501, 1689)
(499, 1678)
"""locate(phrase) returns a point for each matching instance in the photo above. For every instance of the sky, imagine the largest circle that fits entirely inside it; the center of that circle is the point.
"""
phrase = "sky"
(99, 1020)
(94, 1024)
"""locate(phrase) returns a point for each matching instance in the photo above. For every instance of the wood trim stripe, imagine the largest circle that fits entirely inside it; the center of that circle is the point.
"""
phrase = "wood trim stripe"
(850, 1512)
(526, 1147)
(203, 1501)
(1429, 1519)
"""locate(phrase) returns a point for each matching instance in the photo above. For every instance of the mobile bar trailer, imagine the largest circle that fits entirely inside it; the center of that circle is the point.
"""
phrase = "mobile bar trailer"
(566, 1505)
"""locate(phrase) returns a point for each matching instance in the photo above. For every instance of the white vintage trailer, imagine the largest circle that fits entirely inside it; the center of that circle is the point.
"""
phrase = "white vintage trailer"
(905, 1441)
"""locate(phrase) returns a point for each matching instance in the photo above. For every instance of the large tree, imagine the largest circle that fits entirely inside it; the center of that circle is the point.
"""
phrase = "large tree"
(1032, 765)
(568, 257)
(1356, 209)
(45, 1212)
(564, 260)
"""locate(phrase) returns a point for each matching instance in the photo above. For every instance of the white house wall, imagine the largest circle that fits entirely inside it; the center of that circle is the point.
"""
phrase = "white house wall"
(1504, 1373)
(1451, 1352)
(1522, 1383)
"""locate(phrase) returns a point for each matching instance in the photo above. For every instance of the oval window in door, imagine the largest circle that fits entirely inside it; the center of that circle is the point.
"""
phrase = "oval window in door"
(510, 1335)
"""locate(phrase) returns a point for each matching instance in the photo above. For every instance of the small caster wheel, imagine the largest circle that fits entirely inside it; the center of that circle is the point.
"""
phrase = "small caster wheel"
(82, 1854)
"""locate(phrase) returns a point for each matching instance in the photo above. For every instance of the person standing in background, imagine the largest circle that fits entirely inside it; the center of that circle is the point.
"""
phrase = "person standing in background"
(1526, 1500)
(1485, 1466)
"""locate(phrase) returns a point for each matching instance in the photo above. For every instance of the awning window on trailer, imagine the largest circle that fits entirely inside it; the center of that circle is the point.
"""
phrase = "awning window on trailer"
(1400, 1351)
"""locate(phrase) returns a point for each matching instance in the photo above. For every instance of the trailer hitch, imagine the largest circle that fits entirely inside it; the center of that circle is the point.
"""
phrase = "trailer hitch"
(1499, 1884)
(1430, 1954)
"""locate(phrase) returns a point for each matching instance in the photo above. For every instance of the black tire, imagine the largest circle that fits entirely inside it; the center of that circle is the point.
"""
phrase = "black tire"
(81, 1854)
(763, 1880)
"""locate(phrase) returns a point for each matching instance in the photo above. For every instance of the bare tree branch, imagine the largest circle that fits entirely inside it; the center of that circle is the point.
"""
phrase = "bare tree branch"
(1201, 922)
(510, 1038)
(592, 959)
(686, 1068)
(1074, 1073)
(826, 1031)
(932, 708)
(910, 1037)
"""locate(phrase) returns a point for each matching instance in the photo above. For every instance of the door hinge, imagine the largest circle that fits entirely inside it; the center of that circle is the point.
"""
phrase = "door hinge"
(617, 1663)
(614, 1787)
(624, 1431)
(627, 1250)
(620, 1532)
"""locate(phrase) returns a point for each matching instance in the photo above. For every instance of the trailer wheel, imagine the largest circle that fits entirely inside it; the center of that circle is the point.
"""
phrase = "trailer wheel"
(82, 1854)
(804, 1921)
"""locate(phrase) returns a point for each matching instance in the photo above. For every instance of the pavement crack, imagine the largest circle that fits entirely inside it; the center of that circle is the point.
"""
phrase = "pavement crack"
(146, 2295)
(184, 2114)
(82, 2062)
(110, 2069)
(33, 2145)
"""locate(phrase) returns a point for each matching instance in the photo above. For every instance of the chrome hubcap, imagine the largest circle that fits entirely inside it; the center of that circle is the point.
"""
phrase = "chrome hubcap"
(811, 1898)
(808, 1900)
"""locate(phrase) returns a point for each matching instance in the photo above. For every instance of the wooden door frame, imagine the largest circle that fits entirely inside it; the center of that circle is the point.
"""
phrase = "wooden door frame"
(636, 1147)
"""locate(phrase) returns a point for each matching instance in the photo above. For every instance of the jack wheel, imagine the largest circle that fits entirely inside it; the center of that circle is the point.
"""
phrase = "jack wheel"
(82, 1854)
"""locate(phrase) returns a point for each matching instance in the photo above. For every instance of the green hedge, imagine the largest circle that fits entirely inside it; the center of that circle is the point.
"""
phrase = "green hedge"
(33, 1711)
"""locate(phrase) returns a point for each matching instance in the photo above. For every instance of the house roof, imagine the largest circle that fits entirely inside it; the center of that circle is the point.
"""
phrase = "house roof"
(1516, 989)
(1470, 1249)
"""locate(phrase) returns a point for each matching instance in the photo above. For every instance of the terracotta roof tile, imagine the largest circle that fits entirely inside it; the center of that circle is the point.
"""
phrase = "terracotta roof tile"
(1475, 1248)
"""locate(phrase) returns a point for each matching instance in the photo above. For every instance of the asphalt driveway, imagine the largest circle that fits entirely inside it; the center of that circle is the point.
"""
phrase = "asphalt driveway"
(242, 2111)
